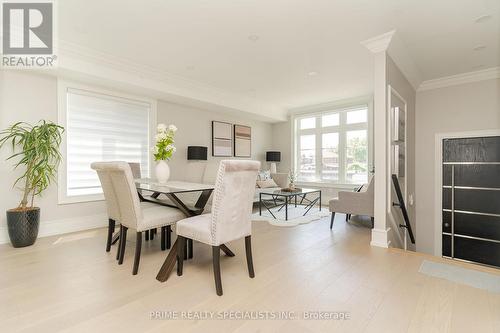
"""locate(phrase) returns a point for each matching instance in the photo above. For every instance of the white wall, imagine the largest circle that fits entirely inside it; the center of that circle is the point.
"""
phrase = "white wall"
(30, 97)
(466, 107)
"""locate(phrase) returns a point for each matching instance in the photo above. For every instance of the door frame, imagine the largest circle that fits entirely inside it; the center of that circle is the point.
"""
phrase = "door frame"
(438, 177)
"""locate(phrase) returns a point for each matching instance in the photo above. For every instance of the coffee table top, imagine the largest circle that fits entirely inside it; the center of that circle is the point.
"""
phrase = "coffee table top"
(280, 192)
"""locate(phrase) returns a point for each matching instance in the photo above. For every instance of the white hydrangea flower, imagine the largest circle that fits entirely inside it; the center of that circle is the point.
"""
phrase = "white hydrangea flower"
(161, 128)
(172, 128)
(161, 136)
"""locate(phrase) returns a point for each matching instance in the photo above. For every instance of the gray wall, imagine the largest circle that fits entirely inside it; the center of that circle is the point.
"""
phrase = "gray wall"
(398, 82)
(465, 107)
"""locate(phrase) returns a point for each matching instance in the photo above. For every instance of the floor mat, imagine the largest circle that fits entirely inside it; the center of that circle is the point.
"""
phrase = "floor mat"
(473, 278)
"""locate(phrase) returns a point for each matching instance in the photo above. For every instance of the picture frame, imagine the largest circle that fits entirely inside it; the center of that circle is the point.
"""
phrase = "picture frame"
(222, 139)
(242, 141)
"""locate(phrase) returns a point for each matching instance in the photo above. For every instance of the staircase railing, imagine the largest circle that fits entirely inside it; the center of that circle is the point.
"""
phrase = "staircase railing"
(402, 206)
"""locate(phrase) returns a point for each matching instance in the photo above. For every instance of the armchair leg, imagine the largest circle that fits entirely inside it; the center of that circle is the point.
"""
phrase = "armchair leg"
(111, 229)
(137, 258)
(180, 254)
(373, 221)
(248, 248)
(146, 233)
(333, 218)
(216, 263)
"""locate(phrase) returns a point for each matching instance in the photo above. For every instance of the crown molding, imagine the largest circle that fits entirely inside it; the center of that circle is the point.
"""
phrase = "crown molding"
(453, 80)
(379, 43)
(91, 66)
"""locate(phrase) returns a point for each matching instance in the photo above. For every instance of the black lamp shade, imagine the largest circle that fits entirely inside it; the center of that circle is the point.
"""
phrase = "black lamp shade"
(197, 153)
(273, 156)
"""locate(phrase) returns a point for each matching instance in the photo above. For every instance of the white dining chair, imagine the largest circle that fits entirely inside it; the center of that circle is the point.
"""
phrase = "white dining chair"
(111, 205)
(230, 218)
(132, 213)
(150, 234)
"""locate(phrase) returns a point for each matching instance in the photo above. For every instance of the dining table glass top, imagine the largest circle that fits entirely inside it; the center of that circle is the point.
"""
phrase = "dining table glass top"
(172, 186)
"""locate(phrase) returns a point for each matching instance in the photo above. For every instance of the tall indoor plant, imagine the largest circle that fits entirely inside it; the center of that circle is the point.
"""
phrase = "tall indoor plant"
(163, 151)
(36, 149)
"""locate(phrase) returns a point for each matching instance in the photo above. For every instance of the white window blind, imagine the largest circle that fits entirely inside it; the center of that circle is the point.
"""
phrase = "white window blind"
(103, 128)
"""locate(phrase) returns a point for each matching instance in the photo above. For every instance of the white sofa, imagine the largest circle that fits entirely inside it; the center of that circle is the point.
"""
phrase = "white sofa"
(206, 172)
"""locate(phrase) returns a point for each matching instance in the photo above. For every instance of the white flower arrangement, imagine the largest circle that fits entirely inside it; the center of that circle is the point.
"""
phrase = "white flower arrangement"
(164, 148)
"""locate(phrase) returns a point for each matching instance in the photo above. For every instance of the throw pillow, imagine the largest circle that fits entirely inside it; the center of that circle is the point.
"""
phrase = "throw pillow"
(266, 183)
(264, 175)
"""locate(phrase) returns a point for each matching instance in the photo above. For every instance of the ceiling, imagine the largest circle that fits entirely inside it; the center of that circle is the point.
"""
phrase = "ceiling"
(284, 53)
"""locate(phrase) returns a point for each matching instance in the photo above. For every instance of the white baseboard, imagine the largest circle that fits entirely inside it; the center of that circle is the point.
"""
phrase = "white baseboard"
(380, 238)
(63, 226)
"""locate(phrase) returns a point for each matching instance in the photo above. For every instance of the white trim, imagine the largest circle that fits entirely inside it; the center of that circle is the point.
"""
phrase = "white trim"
(380, 238)
(453, 80)
(438, 176)
(62, 87)
(62, 226)
(379, 43)
(334, 105)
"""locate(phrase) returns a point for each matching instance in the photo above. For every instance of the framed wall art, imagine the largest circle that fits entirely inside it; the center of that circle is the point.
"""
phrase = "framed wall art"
(242, 141)
(222, 139)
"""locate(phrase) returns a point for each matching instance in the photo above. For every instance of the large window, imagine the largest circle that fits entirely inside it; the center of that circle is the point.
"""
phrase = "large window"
(332, 146)
(101, 127)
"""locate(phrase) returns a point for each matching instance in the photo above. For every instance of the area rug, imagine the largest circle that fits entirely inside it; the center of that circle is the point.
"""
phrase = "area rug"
(295, 216)
(473, 278)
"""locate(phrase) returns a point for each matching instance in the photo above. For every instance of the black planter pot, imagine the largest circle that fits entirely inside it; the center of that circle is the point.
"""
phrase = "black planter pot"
(23, 226)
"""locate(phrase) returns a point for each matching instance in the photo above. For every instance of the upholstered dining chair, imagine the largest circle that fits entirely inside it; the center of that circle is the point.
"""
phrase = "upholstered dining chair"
(111, 205)
(230, 218)
(149, 234)
(132, 213)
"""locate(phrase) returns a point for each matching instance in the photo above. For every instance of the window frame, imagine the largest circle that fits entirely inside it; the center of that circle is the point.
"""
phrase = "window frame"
(63, 86)
(318, 111)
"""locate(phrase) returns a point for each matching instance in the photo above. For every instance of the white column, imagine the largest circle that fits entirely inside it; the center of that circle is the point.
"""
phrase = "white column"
(378, 46)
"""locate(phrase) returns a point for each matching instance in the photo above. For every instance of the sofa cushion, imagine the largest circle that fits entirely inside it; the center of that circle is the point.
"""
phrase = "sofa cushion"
(210, 173)
(194, 172)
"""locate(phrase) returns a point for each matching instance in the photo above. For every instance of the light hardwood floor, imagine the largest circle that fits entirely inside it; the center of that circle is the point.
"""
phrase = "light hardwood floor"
(68, 283)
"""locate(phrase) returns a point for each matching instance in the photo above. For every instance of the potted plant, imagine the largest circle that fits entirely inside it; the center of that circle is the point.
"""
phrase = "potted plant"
(36, 149)
(163, 150)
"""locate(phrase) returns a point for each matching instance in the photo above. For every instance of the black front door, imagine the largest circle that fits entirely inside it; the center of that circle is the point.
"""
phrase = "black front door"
(471, 199)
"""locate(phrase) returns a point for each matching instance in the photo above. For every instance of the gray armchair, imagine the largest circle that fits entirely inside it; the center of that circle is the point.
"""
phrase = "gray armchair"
(357, 203)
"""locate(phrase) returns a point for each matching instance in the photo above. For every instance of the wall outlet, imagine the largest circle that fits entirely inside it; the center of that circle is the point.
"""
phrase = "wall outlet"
(410, 199)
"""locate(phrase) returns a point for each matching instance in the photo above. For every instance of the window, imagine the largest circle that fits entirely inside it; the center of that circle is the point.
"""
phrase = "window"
(333, 146)
(100, 127)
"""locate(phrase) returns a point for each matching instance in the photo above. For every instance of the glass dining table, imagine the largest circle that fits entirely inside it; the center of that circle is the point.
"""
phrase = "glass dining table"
(150, 190)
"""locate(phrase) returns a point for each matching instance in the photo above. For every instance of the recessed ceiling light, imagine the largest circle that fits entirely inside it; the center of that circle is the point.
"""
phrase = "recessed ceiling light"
(482, 18)
(479, 48)
(253, 38)
(312, 73)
